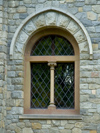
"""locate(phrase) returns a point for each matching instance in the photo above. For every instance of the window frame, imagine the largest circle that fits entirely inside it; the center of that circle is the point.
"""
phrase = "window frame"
(37, 59)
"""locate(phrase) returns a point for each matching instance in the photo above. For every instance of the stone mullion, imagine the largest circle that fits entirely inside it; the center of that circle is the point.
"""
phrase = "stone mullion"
(52, 67)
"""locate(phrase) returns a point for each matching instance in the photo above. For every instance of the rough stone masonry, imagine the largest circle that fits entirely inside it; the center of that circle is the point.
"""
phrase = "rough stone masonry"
(13, 13)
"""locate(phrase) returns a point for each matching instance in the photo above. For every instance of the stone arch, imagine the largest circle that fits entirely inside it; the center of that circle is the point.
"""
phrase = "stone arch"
(50, 17)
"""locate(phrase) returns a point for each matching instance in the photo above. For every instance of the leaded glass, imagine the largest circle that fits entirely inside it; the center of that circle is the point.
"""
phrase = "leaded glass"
(40, 85)
(64, 85)
(52, 45)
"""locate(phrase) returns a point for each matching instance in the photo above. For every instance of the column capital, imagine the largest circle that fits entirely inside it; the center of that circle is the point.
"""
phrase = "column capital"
(52, 63)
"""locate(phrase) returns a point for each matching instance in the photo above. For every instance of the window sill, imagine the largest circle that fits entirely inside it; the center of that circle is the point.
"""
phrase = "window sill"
(50, 117)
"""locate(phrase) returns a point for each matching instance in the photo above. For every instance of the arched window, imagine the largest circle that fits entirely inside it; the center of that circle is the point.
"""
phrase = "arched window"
(52, 73)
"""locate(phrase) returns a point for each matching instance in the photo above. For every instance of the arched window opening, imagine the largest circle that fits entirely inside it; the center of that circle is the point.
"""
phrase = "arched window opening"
(52, 73)
(52, 45)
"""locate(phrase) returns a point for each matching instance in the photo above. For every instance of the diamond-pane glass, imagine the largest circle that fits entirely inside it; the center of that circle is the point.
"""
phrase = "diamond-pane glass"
(64, 85)
(40, 85)
(52, 45)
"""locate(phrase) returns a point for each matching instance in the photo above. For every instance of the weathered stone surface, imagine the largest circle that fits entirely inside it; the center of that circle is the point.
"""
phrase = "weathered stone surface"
(36, 126)
(54, 130)
(29, 27)
(41, 1)
(76, 130)
(80, 37)
(21, 9)
(21, 125)
(90, 2)
(83, 47)
(22, 37)
(96, 8)
(27, 1)
(73, 27)
(27, 130)
(17, 110)
(56, 122)
(79, 124)
(69, 126)
(91, 15)
(65, 131)
(86, 105)
(51, 18)
(13, 3)
(63, 21)
(40, 21)
(17, 94)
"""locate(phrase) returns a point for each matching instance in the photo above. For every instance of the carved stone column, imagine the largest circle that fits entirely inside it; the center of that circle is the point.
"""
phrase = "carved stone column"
(52, 67)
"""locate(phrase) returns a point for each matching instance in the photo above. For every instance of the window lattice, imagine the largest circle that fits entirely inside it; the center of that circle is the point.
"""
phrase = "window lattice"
(64, 85)
(40, 85)
(52, 45)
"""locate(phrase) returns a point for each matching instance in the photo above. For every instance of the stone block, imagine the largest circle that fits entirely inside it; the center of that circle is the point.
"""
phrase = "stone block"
(39, 7)
(73, 27)
(96, 8)
(19, 47)
(21, 124)
(86, 92)
(54, 130)
(40, 21)
(70, 0)
(41, 1)
(46, 126)
(36, 126)
(21, 9)
(17, 94)
(51, 18)
(92, 2)
(17, 110)
(27, 130)
(65, 131)
(19, 102)
(84, 98)
(27, 1)
(16, 16)
(91, 15)
(76, 130)
(79, 124)
(17, 81)
(83, 47)
(93, 131)
(63, 21)
(47, 4)
(13, 3)
(11, 74)
(97, 29)
(80, 37)
(22, 38)
(79, 4)
(29, 27)
(23, 15)
(55, 3)
(86, 105)
(69, 126)
(73, 10)
(56, 122)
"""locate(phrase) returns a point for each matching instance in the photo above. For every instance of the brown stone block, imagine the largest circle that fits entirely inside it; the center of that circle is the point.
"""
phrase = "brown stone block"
(93, 131)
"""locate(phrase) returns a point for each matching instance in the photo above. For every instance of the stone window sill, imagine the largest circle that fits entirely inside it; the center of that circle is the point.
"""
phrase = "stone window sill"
(54, 117)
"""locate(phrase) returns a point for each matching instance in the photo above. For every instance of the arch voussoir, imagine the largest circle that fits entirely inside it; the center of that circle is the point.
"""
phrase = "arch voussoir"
(50, 17)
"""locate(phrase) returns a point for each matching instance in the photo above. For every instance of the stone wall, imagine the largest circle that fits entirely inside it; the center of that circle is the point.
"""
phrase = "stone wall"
(12, 14)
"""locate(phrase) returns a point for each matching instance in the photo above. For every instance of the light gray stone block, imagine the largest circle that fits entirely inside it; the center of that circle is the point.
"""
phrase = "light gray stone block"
(17, 110)
(17, 94)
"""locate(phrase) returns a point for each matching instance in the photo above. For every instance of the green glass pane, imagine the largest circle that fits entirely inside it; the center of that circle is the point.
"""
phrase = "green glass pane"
(52, 45)
(40, 85)
(64, 85)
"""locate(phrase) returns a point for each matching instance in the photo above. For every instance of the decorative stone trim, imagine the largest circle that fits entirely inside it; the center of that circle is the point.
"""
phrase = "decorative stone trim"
(50, 117)
(23, 33)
